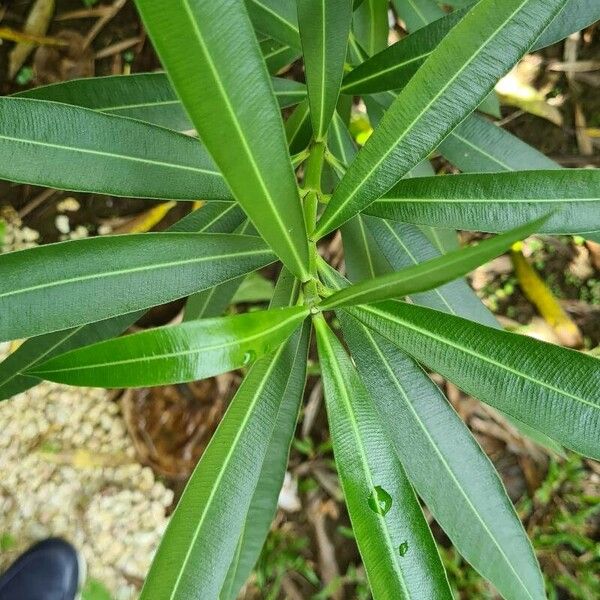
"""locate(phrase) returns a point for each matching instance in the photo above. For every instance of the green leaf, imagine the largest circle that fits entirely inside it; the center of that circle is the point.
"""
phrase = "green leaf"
(324, 30)
(391, 68)
(277, 19)
(200, 542)
(371, 478)
(456, 77)
(430, 274)
(298, 129)
(176, 354)
(371, 25)
(213, 301)
(277, 56)
(106, 154)
(215, 217)
(217, 69)
(403, 245)
(497, 201)
(417, 13)
(72, 283)
(576, 15)
(362, 256)
(477, 145)
(446, 465)
(549, 388)
(144, 96)
(263, 505)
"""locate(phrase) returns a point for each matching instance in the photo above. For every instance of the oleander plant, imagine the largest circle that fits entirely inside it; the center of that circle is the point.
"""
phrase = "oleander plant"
(211, 127)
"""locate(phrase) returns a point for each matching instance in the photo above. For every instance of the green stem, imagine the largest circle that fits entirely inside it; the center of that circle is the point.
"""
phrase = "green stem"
(312, 183)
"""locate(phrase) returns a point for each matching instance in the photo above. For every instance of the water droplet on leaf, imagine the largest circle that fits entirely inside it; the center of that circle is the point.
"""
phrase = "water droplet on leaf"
(403, 548)
(379, 500)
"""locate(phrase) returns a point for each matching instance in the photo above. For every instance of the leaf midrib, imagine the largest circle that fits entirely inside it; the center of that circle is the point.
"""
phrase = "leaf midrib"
(111, 155)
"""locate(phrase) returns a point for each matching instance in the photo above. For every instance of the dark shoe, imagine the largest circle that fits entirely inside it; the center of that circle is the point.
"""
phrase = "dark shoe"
(47, 571)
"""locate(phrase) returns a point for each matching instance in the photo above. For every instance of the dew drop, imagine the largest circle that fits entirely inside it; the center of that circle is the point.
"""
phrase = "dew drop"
(379, 500)
(249, 357)
(403, 548)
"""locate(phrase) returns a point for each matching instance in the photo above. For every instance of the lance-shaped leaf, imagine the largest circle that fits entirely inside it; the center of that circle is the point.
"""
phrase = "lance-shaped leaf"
(391, 68)
(143, 96)
(393, 537)
(277, 19)
(71, 283)
(418, 13)
(263, 506)
(186, 352)
(201, 539)
(430, 274)
(217, 69)
(552, 389)
(215, 217)
(404, 245)
(449, 470)
(456, 77)
(477, 145)
(370, 26)
(498, 201)
(576, 15)
(324, 30)
(106, 154)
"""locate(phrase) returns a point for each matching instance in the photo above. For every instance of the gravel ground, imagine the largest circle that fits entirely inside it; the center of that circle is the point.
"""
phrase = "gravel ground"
(68, 468)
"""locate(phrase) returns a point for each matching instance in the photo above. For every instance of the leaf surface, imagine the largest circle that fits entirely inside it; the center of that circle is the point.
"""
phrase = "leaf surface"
(217, 69)
(430, 274)
(370, 474)
(175, 354)
(106, 154)
(62, 285)
(446, 465)
(404, 246)
(552, 389)
(324, 29)
(201, 539)
(498, 201)
(263, 505)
